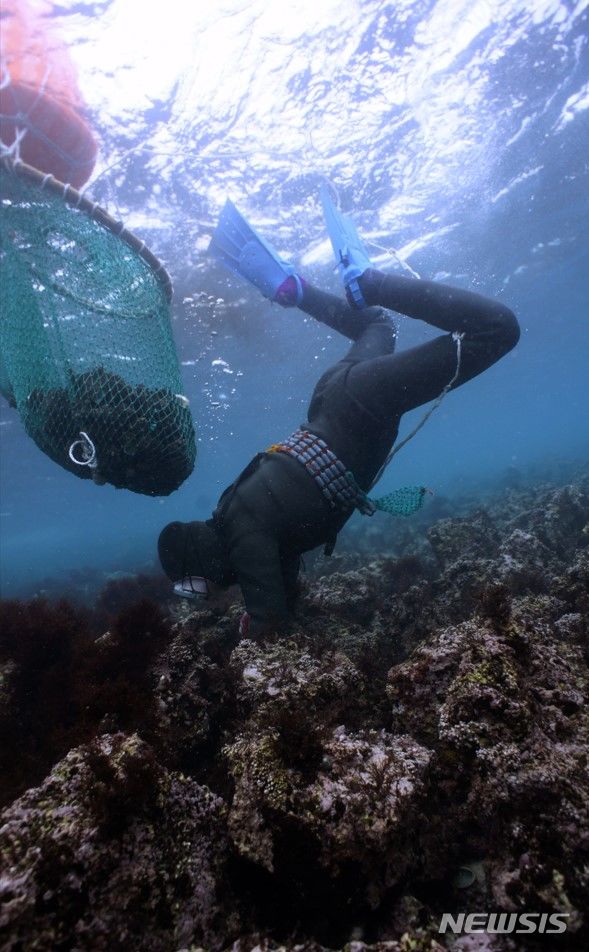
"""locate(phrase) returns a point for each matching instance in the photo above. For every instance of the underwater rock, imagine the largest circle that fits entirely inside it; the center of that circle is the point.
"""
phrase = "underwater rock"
(350, 594)
(504, 712)
(411, 942)
(475, 536)
(416, 743)
(63, 685)
(112, 851)
(182, 708)
(523, 561)
(287, 703)
(367, 795)
(272, 677)
(558, 518)
(573, 585)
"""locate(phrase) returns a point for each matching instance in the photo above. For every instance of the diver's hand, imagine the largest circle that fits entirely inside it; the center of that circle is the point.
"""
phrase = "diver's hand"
(261, 630)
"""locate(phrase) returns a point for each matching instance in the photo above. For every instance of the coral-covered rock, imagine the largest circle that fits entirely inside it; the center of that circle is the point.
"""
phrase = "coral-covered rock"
(502, 704)
(112, 852)
(297, 768)
(271, 677)
(367, 795)
(289, 702)
(523, 560)
(558, 519)
(351, 595)
(475, 536)
(183, 703)
(64, 684)
(415, 743)
(573, 584)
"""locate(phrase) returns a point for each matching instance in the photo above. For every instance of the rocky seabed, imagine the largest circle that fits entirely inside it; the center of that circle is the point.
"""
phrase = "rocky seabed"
(417, 744)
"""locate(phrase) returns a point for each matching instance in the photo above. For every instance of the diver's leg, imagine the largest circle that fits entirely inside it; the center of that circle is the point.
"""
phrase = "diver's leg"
(448, 308)
(377, 340)
(372, 329)
(479, 331)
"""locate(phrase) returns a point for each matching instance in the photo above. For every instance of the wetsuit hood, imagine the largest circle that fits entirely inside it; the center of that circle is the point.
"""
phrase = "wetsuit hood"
(194, 548)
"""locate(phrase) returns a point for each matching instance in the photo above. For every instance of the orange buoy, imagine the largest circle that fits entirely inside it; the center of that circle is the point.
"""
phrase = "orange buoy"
(40, 103)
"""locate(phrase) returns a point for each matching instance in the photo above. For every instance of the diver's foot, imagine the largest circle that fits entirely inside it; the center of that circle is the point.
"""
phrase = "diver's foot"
(354, 264)
(368, 288)
(351, 256)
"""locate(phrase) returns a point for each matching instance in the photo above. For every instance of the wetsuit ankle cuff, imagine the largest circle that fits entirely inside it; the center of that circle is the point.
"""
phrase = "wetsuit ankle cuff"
(369, 283)
(291, 291)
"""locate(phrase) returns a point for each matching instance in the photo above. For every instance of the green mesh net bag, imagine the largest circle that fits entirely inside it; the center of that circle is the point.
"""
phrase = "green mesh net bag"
(85, 339)
(402, 502)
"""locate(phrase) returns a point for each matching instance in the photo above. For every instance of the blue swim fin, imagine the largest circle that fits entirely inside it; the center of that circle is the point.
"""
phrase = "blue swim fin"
(350, 253)
(244, 252)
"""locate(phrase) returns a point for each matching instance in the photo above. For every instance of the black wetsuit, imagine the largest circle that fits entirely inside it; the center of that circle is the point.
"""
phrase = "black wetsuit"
(275, 511)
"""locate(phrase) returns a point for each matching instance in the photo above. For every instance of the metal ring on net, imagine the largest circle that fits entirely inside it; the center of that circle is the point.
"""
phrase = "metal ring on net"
(88, 451)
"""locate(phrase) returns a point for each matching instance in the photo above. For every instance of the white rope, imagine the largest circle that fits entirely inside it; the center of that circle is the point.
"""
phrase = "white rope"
(395, 254)
(87, 449)
(12, 151)
(457, 338)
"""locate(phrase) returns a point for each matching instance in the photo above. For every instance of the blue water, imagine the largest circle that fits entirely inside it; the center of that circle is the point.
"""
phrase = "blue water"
(455, 132)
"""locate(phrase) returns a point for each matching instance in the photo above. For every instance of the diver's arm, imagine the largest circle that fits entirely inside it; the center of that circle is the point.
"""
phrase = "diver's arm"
(290, 573)
(255, 558)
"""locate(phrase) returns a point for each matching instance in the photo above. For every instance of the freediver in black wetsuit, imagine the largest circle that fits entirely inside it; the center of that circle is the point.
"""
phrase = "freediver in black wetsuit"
(275, 510)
